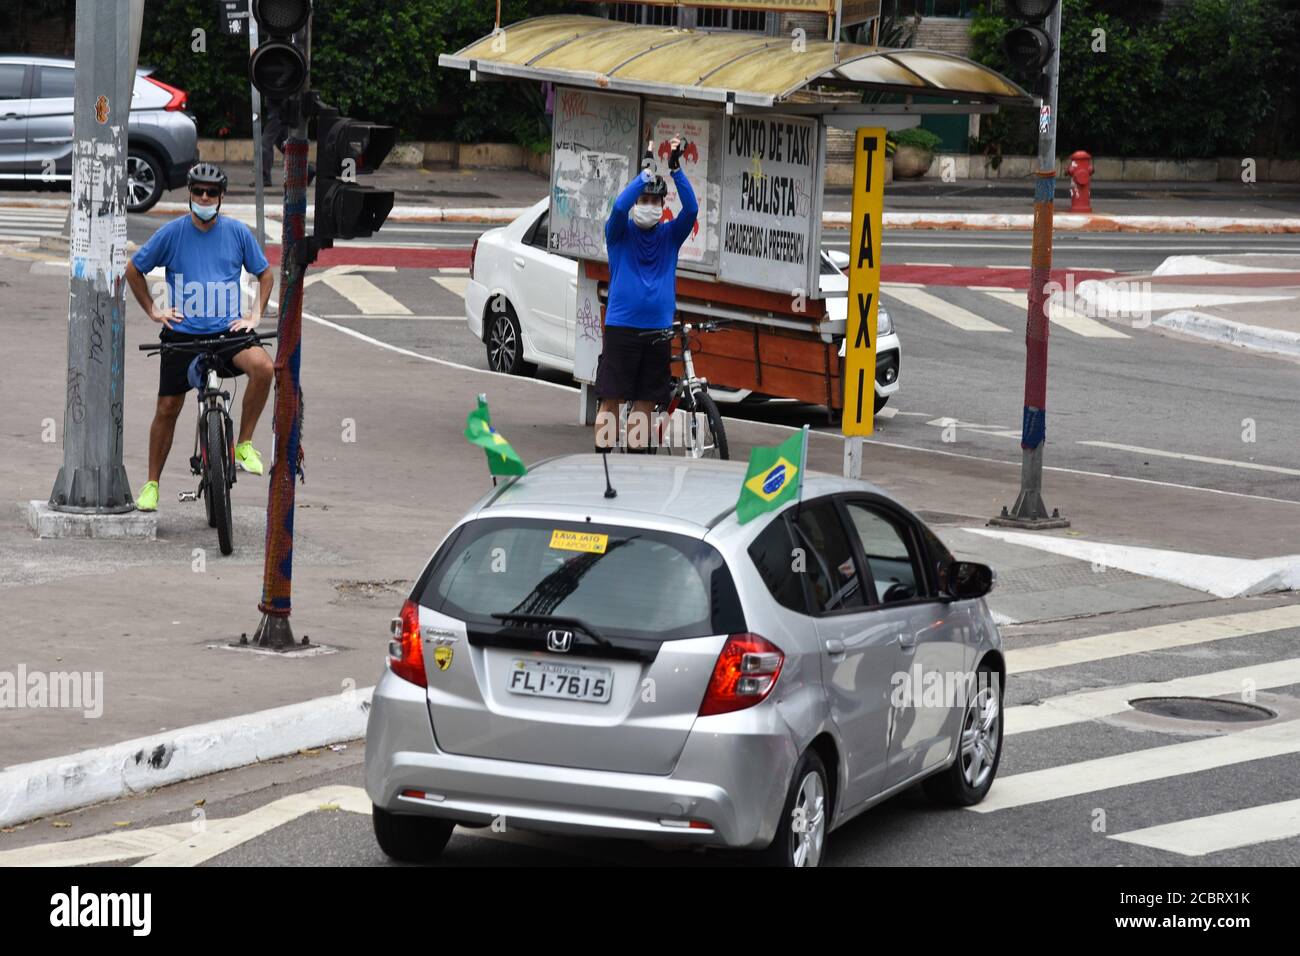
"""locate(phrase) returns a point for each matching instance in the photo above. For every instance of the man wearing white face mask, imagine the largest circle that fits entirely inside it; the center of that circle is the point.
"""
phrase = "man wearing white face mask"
(642, 296)
(204, 254)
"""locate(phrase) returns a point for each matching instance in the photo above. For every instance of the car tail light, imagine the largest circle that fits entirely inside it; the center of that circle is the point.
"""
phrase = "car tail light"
(472, 251)
(177, 102)
(406, 650)
(744, 675)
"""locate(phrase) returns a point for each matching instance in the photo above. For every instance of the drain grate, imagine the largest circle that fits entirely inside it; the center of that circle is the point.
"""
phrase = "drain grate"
(1201, 708)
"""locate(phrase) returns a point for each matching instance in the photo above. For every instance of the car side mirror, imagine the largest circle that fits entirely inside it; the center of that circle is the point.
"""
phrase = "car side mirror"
(968, 579)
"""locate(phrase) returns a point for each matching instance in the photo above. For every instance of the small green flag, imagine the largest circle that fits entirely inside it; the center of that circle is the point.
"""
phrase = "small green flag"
(501, 458)
(773, 478)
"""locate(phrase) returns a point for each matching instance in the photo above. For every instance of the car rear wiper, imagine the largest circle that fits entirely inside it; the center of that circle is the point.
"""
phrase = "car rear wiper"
(552, 619)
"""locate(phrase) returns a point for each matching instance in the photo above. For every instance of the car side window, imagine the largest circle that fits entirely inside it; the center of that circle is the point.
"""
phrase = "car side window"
(56, 81)
(889, 552)
(826, 556)
(11, 80)
(773, 555)
(537, 236)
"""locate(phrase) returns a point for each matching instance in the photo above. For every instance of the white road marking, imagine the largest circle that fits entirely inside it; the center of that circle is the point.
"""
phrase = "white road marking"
(1065, 318)
(454, 270)
(1221, 831)
(1203, 459)
(997, 430)
(104, 848)
(406, 318)
(364, 294)
(1098, 704)
(1142, 766)
(1159, 637)
(343, 270)
(453, 284)
(945, 311)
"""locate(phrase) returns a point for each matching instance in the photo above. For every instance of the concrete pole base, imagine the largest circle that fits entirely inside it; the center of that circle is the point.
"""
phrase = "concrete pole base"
(46, 522)
(274, 633)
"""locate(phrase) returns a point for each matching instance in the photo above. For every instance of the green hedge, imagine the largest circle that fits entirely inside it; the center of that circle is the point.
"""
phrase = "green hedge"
(1214, 78)
(373, 60)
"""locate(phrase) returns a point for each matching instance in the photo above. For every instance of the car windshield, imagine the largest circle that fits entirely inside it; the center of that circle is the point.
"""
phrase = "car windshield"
(619, 581)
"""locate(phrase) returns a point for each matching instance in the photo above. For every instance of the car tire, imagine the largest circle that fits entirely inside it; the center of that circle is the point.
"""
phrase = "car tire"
(408, 838)
(144, 181)
(968, 779)
(505, 343)
(881, 402)
(808, 805)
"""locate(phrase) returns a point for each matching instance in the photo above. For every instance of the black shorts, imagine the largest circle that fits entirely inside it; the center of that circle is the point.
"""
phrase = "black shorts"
(633, 367)
(173, 368)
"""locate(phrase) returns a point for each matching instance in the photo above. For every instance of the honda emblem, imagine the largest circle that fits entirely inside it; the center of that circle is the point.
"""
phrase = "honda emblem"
(559, 641)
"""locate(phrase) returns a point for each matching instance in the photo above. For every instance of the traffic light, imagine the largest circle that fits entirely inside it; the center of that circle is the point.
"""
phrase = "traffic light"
(278, 67)
(344, 148)
(1029, 45)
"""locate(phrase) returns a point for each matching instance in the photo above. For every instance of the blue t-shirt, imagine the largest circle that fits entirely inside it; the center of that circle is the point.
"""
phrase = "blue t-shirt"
(643, 262)
(203, 269)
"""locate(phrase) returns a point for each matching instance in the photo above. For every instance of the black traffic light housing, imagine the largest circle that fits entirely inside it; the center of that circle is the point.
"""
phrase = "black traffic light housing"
(278, 67)
(1028, 46)
(345, 148)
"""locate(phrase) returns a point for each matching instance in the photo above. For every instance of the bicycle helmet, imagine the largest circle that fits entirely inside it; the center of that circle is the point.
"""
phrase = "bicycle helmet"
(656, 187)
(208, 174)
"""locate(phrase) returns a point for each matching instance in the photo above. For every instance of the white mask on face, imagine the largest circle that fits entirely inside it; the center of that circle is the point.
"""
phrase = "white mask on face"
(646, 215)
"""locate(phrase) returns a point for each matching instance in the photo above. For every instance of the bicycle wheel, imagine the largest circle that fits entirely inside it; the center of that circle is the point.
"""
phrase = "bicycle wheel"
(709, 441)
(218, 467)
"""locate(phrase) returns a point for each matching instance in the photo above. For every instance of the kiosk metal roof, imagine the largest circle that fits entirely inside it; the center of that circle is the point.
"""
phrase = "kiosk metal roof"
(746, 69)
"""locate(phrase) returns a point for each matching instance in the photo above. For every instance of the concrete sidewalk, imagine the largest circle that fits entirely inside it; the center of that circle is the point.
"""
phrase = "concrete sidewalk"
(387, 472)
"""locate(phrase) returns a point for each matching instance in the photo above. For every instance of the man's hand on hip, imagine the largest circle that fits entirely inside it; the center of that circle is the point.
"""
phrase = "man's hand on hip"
(166, 316)
(245, 325)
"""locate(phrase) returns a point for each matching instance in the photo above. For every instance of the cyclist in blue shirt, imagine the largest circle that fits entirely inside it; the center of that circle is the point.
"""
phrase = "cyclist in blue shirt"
(642, 296)
(204, 254)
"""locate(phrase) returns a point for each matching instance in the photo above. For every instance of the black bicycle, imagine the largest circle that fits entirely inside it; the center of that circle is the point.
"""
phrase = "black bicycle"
(703, 434)
(213, 461)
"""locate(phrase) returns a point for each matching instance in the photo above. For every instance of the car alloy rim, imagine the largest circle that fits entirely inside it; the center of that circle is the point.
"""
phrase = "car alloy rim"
(979, 738)
(808, 822)
(139, 180)
(503, 344)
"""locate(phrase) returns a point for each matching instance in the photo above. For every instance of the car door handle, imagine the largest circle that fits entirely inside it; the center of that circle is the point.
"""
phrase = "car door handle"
(906, 640)
(834, 646)
(13, 116)
(519, 262)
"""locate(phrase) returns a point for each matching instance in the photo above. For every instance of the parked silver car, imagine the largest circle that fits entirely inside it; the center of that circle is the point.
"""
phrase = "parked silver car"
(646, 667)
(36, 129)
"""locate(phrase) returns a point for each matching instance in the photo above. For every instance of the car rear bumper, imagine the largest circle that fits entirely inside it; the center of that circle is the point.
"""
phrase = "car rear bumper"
(476, 296)
(733, 778)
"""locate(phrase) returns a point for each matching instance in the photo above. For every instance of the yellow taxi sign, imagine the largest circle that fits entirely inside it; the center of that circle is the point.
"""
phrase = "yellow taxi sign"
(579, 541)
(859, 369)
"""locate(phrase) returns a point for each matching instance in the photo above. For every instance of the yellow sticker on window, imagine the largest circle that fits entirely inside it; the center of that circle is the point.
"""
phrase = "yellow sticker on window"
(579, 541)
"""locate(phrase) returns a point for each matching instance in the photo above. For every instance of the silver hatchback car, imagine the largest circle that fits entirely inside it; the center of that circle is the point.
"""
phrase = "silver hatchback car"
(644, 666)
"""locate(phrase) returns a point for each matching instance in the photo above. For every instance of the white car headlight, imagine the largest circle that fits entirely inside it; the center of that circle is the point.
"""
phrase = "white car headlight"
(884, 323)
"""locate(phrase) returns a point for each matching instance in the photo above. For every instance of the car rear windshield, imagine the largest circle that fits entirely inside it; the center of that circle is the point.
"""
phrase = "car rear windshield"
(616, 580)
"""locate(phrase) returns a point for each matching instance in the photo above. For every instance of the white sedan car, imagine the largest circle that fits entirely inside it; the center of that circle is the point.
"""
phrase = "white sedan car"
(534, 324)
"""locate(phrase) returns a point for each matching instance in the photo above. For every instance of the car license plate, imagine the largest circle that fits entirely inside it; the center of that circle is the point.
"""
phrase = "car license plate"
(566, 681)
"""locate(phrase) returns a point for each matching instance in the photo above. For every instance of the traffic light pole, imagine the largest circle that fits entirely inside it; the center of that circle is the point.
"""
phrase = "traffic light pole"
(1029, 510)
(296, 253)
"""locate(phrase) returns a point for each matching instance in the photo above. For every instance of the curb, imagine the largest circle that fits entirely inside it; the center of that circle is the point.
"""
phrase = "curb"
(58, 784)
(1259, 338)
(1068, 222)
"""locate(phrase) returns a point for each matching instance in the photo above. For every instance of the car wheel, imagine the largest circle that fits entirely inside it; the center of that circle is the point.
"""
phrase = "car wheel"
(144, 181)
(979, 746)
(505, 344)
(410, 839)
(881, 402)
(801, 835)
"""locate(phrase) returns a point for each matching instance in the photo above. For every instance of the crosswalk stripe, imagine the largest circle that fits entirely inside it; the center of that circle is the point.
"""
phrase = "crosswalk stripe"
(1221, 831)
(944, 311)
(1081, 650)
(1142, 766)
(404, 318)
(1097, 704)
(103, 848)
(456, 285)
(364, 294)
(1065, 318)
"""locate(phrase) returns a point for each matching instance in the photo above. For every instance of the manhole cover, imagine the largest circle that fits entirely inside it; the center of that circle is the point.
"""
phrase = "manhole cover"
(1201, 708)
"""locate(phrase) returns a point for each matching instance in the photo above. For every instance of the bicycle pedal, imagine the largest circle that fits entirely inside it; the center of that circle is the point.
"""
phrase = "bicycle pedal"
(187, 496)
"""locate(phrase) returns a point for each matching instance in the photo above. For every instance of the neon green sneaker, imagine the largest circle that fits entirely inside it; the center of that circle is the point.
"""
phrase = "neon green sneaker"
(247, 458)
(148, 500)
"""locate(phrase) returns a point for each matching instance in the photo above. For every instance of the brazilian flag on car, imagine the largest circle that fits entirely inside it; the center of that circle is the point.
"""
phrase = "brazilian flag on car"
(501, 458)
(773, 477)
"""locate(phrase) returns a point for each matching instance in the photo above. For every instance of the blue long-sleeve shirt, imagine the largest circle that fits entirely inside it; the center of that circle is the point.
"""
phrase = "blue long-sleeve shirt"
(643, 262)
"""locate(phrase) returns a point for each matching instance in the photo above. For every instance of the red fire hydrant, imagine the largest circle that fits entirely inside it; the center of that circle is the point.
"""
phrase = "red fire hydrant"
(1080, 172)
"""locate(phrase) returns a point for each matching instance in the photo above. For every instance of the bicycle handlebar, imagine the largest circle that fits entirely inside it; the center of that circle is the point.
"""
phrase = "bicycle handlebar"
(201, 344)
(709, 325)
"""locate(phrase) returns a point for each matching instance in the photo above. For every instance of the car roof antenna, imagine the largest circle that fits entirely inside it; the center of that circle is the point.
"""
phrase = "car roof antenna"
(609, 489)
